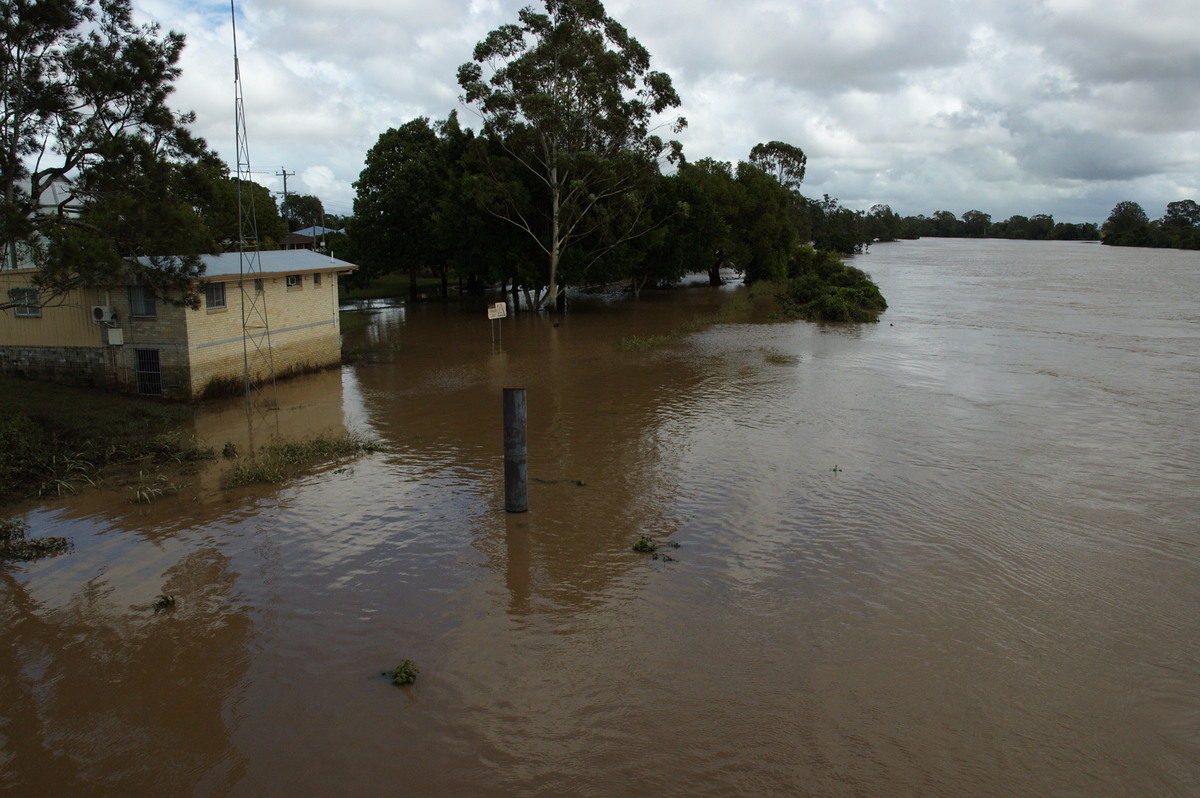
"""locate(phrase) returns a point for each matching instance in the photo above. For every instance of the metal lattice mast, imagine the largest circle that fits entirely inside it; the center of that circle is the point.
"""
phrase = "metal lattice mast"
(258, 364)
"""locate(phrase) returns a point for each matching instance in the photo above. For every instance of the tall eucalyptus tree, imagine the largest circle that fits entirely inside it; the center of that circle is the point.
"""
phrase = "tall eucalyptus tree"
(570, 97)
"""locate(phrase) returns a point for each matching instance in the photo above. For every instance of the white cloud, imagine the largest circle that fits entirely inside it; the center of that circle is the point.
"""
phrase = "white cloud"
(1025, 106)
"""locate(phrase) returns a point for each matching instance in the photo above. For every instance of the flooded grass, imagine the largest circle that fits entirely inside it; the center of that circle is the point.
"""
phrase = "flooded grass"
(151, 487)
(733, 310)
(55, 439)
(285, 460)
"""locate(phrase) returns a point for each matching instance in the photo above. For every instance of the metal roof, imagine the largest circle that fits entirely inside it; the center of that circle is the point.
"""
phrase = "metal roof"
(271, 262)
(313, 232)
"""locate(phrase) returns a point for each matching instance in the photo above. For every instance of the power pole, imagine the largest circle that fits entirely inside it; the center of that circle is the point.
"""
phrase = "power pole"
(285, 174)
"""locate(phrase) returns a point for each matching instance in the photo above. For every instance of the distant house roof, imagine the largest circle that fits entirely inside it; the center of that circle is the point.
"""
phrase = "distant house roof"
(297, 241)
(313, 232)
(271, 262)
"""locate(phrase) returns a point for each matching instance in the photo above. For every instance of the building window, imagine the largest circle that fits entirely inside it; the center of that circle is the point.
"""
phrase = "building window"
(141, 302)
(214, 295)
(149, 372)
(26, 303)
(293, 280)
(316, 279)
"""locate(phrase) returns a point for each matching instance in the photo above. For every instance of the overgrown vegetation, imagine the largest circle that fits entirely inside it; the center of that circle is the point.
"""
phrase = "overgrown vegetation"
(151, 487)
(285, 460)
(15, 547)
(821, 287)
(55, 439)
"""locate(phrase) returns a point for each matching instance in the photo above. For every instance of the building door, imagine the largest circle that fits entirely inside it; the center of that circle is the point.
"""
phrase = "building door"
(149, 372)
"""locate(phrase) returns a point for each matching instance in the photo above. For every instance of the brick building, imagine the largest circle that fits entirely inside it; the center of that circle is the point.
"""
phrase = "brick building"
(127, 339)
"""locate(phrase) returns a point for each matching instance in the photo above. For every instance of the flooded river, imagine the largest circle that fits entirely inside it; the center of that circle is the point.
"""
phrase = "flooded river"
(954, 553)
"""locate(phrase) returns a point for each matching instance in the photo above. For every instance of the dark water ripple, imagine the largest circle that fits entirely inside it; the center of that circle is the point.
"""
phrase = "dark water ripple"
(951, 554)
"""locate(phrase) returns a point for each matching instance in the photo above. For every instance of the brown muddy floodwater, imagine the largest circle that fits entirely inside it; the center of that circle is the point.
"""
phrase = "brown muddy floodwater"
(997, 594)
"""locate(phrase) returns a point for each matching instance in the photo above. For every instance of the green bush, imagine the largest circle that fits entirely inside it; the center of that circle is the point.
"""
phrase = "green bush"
(824, 288)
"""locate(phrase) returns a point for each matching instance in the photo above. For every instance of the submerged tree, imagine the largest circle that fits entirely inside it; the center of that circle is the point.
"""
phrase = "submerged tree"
(95, 168)
(570, 98)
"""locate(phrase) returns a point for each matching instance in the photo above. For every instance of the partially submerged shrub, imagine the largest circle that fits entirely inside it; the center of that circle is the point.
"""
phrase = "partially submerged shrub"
(821, 287)
(403, 674)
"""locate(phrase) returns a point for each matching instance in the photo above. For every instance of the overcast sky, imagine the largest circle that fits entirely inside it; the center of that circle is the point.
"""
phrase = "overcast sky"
(1006, 106)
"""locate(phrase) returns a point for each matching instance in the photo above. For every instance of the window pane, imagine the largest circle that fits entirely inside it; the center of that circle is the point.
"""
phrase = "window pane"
(141, 302)
(214, 295)
(26, 301)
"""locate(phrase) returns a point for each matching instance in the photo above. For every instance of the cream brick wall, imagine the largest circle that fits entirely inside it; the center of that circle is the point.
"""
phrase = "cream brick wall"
(194, 346)
(304, 330)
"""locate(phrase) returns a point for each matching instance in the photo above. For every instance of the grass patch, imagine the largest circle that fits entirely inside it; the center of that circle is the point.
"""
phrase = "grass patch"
(56, 438)
(15, 547)
(151, 487)
(285, 460)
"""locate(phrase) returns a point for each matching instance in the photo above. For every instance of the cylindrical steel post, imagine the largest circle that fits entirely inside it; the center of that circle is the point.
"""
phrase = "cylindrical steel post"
(516, 477)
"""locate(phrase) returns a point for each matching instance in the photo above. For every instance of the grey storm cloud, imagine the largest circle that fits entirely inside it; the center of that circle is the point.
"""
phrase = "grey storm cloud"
(1010, 106)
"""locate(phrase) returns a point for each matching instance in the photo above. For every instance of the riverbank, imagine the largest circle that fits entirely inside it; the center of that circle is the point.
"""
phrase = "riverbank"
(55, 439)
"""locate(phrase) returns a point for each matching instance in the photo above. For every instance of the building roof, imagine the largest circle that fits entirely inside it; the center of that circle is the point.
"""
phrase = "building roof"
(271, 262)
(318, 231)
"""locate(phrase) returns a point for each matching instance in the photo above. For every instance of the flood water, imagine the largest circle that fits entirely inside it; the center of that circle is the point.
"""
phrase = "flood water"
(954, 553)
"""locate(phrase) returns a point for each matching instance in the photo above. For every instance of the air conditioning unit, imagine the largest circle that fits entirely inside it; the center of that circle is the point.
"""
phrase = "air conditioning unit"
(103, 313)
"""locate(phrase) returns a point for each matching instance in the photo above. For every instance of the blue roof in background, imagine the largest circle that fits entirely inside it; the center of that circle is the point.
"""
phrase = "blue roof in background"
(313, 232)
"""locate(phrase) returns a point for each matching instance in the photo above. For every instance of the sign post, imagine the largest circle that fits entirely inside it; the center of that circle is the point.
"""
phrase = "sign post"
(495, 313)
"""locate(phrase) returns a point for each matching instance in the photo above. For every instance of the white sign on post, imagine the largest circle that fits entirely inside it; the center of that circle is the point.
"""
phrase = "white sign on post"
(495, 313)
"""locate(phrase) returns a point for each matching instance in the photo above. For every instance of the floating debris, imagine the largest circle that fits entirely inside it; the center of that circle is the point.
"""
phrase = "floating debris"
(403, 674)
(648, 545)
(162, 603)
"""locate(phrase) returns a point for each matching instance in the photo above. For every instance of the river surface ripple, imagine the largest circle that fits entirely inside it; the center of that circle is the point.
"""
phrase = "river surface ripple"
(953, 553)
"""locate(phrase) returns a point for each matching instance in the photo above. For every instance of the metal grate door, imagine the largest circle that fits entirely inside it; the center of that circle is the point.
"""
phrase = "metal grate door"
(149, 372)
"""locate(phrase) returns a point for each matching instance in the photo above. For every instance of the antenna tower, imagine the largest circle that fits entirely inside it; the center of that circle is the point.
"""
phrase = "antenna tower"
(258, 364)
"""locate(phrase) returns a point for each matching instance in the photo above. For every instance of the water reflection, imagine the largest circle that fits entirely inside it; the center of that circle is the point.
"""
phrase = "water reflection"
(993, 594)
(93, 688)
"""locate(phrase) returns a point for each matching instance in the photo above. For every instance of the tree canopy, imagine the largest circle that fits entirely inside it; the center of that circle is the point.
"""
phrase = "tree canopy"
(96, 169)
(1129, 226)
(570, 100)
(302, 210)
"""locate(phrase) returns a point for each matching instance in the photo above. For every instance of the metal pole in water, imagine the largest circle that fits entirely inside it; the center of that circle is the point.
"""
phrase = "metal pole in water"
(516, 478)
